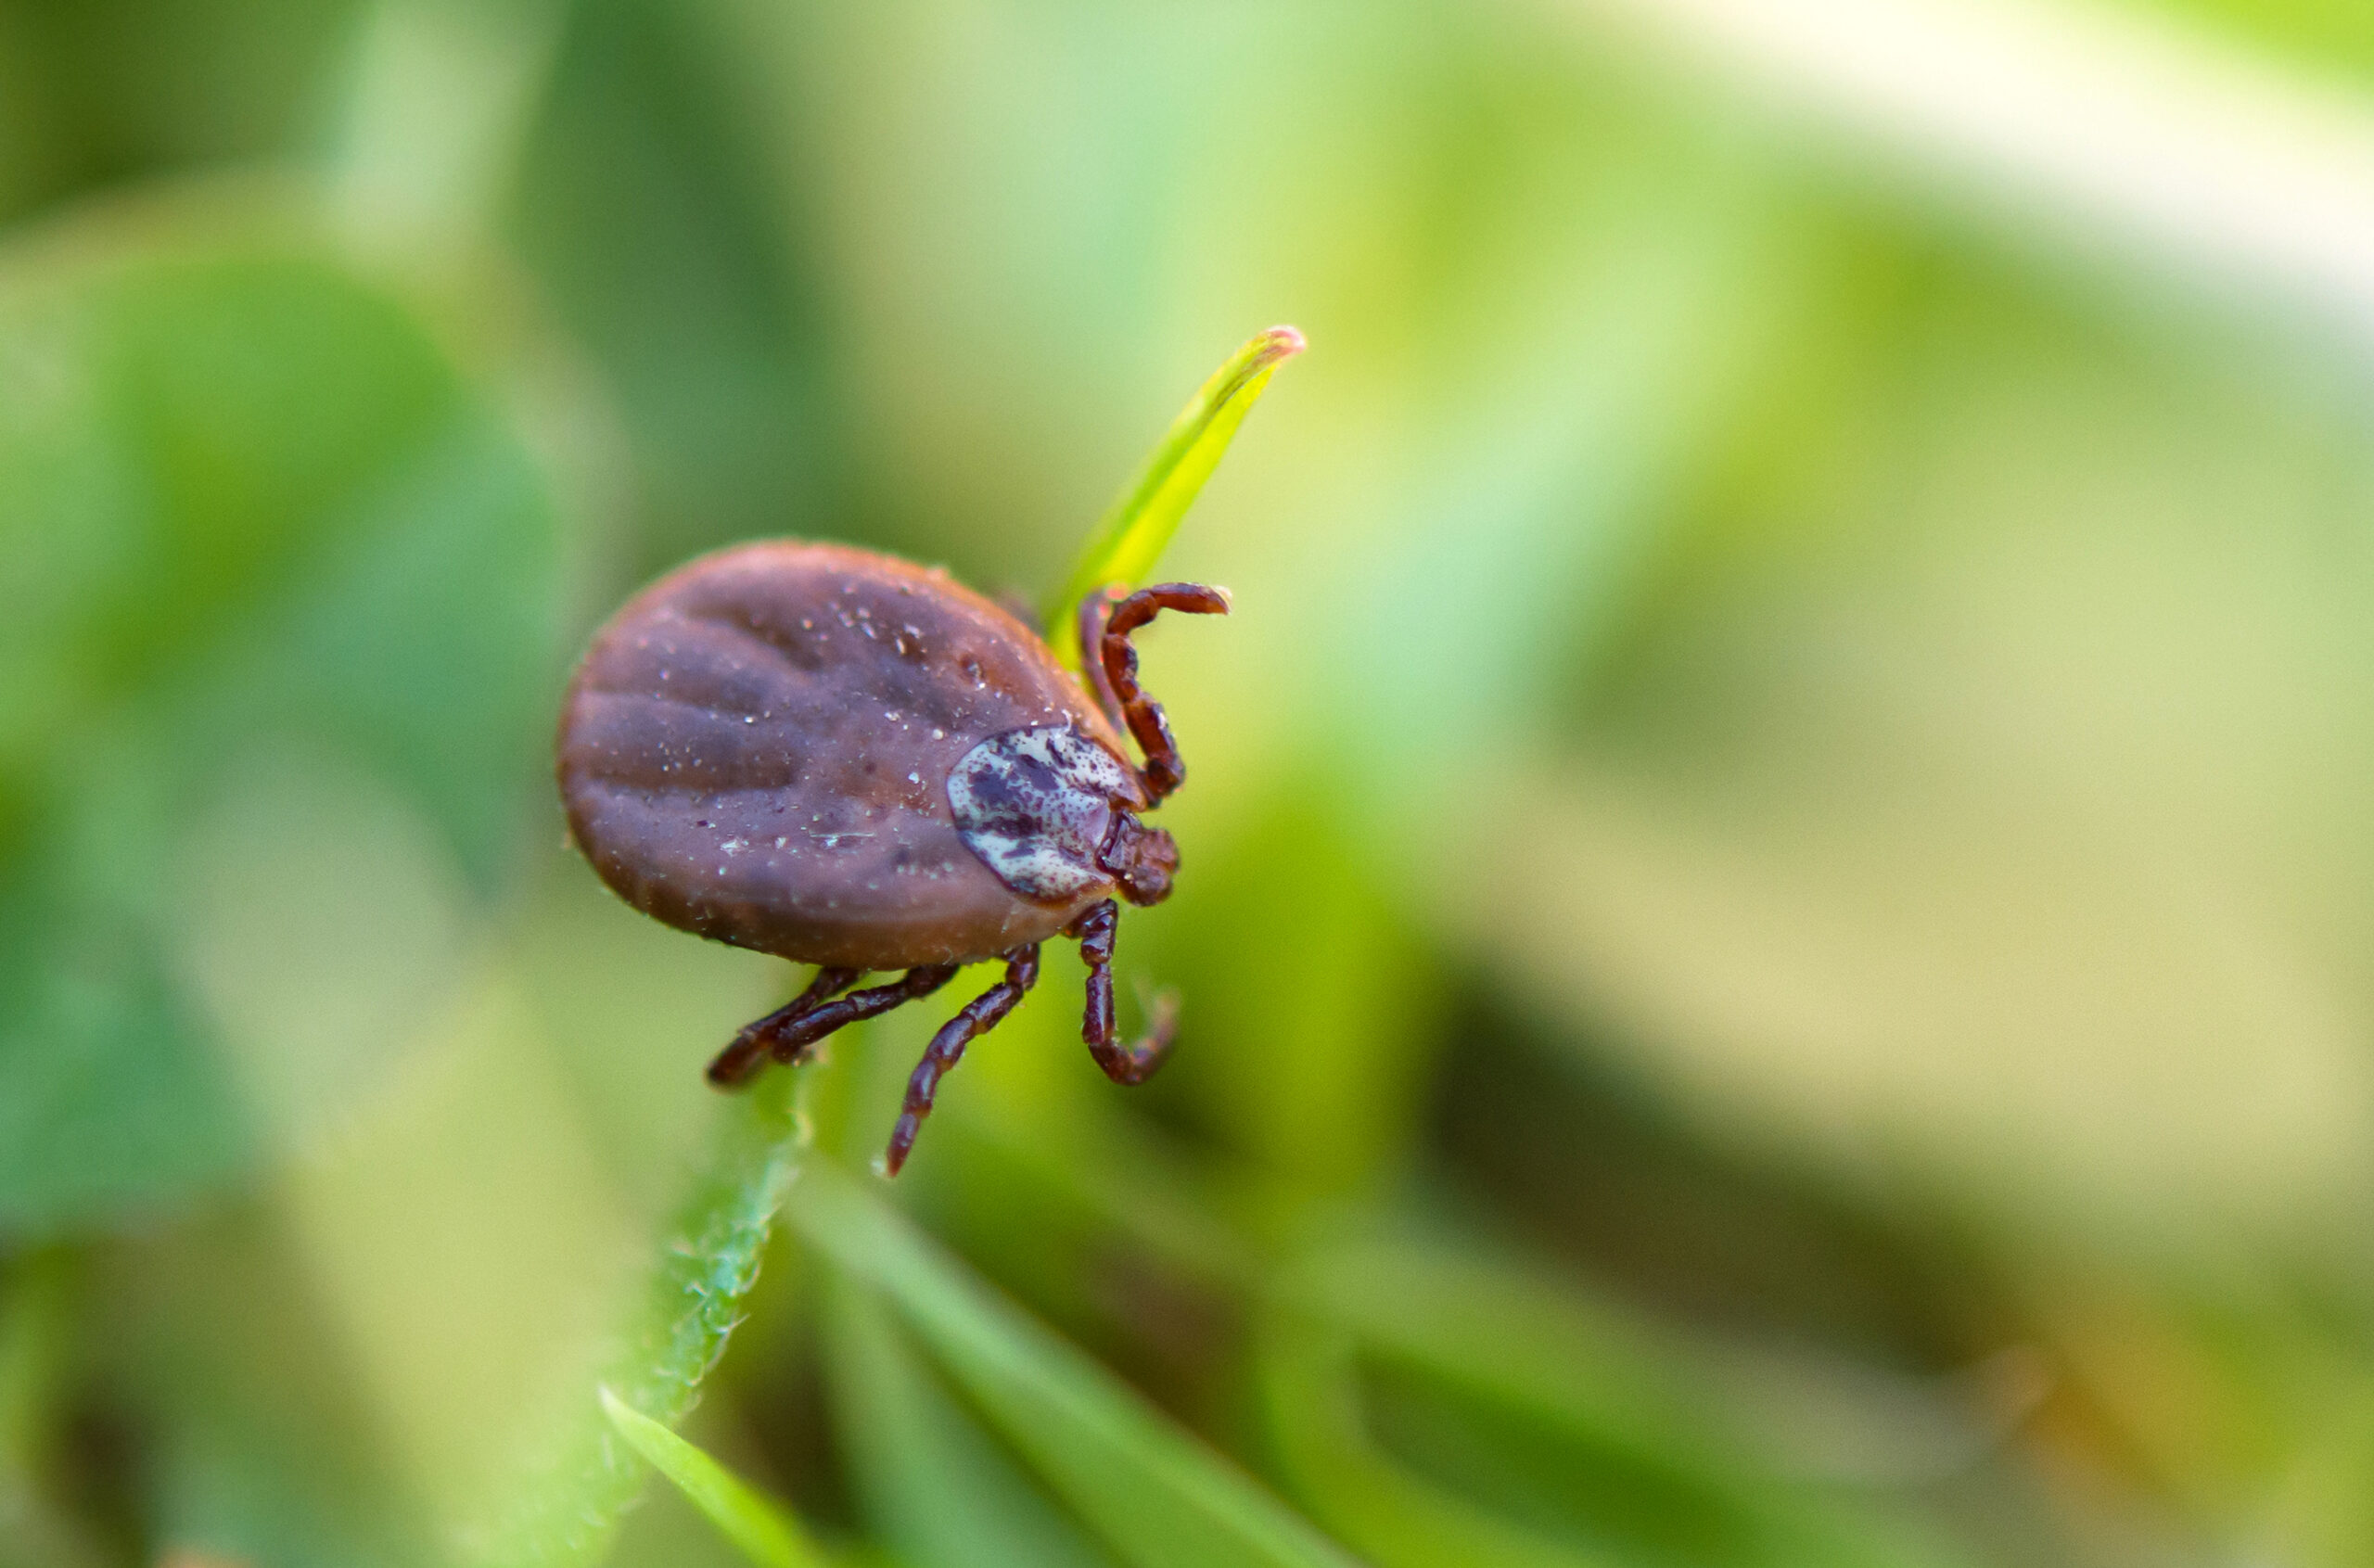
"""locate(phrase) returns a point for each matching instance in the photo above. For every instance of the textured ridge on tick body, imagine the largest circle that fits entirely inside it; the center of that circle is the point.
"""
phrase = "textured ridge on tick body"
(757, 748)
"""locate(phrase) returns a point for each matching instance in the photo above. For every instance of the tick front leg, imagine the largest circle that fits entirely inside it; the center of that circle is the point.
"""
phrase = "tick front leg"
(979, 1016)
(1095, 610)
(751, 1048)
(1131, 1064)
(1164, 771)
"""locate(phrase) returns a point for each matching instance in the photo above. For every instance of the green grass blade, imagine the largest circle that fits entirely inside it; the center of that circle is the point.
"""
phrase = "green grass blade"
(1530, 1371)
(564, 1512)
(764, 1532)
(1134, 533)
(1157, 1496)
(1309, 1384)
(935, 1487)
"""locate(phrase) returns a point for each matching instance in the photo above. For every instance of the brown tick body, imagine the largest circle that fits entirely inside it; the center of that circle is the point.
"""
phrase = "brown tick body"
(855, 762)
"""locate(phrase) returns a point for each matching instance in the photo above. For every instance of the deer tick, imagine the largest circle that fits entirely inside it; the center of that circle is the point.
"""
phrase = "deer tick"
(852, 761)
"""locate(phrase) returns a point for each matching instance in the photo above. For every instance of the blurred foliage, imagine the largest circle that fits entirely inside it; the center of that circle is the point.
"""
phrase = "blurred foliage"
(1777, 893)
(283, 603)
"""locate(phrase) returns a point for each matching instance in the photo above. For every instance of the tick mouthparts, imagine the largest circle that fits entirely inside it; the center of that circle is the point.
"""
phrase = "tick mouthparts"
(1142, 860)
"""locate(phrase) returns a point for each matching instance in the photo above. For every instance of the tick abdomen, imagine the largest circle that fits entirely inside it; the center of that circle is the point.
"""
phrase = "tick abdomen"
(756, 749)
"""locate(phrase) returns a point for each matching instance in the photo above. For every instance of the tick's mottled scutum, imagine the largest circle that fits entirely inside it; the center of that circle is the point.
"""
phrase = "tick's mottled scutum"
(852, 762)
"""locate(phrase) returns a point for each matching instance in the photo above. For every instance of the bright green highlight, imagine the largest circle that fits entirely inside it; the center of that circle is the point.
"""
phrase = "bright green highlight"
(1157, 1496)
(1136, 532)
(764, 1531)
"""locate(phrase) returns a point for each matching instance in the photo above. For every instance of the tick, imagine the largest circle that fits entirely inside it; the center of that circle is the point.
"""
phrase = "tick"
(855, 762)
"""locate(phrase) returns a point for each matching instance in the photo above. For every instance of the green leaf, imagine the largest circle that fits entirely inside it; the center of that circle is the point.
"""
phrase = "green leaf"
(765, 1531)
(1437, 1404)
(1158, 1496)
(651, 234)
(1135, 533)
(245, 1387)
(42, 1303)
(1311, 1397)
(566, 1510)
(279, 627)
(935, 1488)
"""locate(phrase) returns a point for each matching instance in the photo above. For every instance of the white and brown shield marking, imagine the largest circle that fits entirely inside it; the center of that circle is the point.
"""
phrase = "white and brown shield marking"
(1036, 804)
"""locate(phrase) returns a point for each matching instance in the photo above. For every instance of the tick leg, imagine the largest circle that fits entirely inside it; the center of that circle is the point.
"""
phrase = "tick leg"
(737, 1062)
(793, 1040)
(1163, 771)
(1094, 611)
(1132, 1064)
(787, 1033)
(980, 1015)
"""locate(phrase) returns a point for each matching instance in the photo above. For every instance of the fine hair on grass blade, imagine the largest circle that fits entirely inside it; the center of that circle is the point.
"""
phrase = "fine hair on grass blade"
(1155, 1494)
(1132, 535)
(564, 1513)
(764, 1531)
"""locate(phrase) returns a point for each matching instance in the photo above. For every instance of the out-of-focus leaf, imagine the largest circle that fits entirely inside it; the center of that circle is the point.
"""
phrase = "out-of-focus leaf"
(1393, 1517)
(36, 1306)
(2326, 36)
(1543, 1426)
(256, 1447)
(649, 211)
(765, 1531)
(1158, 1497)
(1975, 803)
(39, 1311)
(264, 541)
(432, 118)
(2322, 1512)
(103, 91)
(565, 1512)
(1520, 524)
(1336, 968)
(937, 1488)
(1131, 537)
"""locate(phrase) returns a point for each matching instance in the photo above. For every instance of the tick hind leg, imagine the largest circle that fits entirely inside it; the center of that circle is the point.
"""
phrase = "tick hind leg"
(1132, 1064)
(787, 1033)
(755, 1042)
(979, 1016)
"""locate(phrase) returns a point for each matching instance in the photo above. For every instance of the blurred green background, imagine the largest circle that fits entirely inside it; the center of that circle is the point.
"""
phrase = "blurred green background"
(1778, 917)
